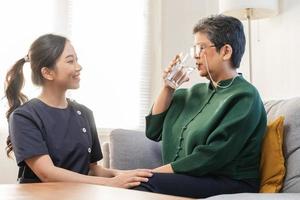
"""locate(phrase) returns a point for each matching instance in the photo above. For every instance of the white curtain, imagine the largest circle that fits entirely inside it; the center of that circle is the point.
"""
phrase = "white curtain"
(22, 22)
(111, 39)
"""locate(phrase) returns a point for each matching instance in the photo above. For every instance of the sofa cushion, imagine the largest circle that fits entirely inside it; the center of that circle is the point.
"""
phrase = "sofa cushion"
(290, 109)
(272, 167)
(131, 149)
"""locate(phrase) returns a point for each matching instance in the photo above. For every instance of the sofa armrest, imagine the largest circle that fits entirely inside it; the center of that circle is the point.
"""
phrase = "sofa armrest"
(130, 149)
(105, 153)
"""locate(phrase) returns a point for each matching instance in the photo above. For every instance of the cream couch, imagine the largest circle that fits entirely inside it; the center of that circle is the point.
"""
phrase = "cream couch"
(128, 149)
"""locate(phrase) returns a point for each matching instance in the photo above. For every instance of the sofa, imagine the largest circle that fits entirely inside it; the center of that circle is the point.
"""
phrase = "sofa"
(130, 149)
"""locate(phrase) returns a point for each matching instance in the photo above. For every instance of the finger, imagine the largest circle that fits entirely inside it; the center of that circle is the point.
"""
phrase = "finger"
(164, 74)
(132, 184)
(144, 174)
(167, 70)
(138, 179)
(146, 170)
(184, 79)
(173, 62)
(176, 59)
(177, 56)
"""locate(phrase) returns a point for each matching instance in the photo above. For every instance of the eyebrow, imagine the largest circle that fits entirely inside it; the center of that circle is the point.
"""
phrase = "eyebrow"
(68, 56)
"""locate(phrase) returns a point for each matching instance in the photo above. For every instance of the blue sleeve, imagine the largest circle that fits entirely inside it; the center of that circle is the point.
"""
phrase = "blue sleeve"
(26, 137)
(96, 153)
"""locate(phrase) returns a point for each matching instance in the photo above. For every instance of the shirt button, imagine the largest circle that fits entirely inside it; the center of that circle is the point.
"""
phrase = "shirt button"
(89, 150)
(78, 112)
(84, 130)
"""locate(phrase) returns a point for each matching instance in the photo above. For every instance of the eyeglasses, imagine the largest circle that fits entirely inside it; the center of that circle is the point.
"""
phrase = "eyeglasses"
(197, 49)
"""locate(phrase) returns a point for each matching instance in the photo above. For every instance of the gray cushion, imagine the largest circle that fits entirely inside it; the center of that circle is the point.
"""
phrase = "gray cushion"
(131, 149)
(290, 109)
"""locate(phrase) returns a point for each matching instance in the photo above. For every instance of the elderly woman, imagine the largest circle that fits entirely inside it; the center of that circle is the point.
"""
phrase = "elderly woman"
(211, 133)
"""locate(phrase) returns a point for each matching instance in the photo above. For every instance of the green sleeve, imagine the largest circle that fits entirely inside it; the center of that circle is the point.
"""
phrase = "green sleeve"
(226, 141)
(154, 125)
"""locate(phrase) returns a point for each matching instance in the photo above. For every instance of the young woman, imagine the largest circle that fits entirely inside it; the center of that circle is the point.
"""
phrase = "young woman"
(52, 137)
(211, 133)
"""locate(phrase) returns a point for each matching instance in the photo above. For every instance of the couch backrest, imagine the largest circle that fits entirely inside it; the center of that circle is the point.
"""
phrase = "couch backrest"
(290, 109)
(131, 149)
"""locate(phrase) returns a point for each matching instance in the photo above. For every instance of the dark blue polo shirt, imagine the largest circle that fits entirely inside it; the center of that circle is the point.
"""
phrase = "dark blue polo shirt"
(68, 136)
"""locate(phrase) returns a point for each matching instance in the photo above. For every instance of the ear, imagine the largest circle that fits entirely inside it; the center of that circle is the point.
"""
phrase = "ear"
(47, 73)
(227, 52)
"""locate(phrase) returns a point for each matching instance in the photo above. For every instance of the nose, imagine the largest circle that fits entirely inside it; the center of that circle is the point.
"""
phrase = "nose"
(78, 67)
(196, 57)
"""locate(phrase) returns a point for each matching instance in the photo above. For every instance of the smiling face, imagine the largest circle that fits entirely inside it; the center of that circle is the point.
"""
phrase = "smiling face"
(66, 73)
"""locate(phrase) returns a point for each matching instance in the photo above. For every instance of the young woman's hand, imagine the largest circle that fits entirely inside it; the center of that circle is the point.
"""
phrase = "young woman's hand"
(129, 178)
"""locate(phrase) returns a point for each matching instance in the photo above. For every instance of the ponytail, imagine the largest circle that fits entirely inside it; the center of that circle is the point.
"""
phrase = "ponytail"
(14, 84)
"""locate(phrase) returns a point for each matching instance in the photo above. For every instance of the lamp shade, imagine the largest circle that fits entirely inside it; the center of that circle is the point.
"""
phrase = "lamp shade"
(258, 8)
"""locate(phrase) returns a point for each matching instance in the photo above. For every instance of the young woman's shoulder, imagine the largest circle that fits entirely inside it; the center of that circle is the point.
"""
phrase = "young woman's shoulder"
(79, 106)
(28, 107)
(28, 110)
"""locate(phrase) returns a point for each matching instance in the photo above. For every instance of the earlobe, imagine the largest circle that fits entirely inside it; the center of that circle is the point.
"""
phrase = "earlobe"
(227, 52)
(47, 73)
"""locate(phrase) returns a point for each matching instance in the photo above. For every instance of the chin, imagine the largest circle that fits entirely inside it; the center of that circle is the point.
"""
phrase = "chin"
(203, 73)
(74, 87)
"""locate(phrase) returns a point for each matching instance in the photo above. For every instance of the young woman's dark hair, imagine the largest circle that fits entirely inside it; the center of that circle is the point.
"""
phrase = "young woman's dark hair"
(43, 52)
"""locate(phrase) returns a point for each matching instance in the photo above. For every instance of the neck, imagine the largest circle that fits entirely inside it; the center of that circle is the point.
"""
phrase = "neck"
(53, 97)
(228, 74)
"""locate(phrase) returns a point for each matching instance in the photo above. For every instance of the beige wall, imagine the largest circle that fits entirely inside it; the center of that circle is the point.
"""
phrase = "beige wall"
(276, 44)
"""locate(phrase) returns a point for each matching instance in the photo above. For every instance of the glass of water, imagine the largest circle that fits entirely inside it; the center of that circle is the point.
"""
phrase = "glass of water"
(180, 71)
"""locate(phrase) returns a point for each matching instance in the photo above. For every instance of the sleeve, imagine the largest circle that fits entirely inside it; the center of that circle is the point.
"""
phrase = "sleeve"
(226, 141)
(154, 125)
(96, 153)
(26, 137)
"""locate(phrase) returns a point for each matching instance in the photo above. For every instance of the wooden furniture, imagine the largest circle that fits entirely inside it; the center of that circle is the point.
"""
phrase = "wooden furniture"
(73, 191)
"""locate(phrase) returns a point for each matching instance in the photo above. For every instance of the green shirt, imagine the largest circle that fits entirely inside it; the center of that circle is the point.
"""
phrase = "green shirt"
(212, 131)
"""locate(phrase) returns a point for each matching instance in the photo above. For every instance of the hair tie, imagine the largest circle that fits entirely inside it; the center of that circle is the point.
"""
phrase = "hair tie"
(26, 58)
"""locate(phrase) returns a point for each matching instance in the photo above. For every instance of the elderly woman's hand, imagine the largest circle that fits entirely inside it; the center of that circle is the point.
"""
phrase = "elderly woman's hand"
(182, 78)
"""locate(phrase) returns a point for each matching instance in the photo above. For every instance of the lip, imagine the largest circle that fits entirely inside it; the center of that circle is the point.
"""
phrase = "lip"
(77, 76)
(199, 66)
